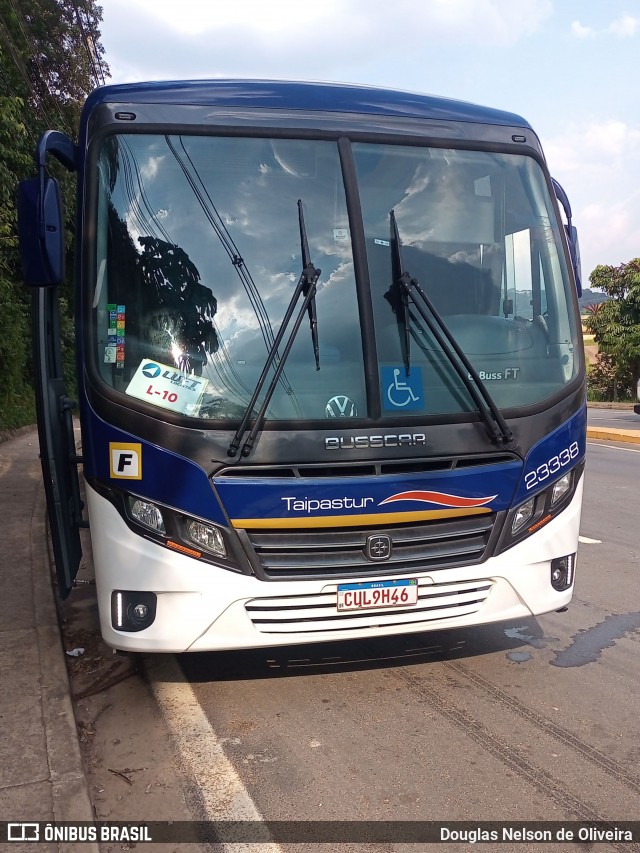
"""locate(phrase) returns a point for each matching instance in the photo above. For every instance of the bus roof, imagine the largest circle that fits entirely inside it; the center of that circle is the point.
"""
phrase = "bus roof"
(299, 95)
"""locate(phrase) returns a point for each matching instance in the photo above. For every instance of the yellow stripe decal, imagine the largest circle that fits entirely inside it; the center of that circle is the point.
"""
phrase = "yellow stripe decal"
(354, 520)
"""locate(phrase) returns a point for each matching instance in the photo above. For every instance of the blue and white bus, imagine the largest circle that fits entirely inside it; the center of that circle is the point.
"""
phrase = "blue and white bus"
(330, 372)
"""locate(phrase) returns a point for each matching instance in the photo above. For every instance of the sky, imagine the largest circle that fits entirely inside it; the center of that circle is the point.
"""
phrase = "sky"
(571, 68)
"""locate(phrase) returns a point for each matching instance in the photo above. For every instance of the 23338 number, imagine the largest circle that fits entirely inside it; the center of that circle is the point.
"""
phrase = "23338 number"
(551, 466)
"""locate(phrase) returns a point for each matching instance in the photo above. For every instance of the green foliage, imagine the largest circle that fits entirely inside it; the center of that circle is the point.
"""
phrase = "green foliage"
(616, 329)
(605, 384)
(50, 59)
(16, 396)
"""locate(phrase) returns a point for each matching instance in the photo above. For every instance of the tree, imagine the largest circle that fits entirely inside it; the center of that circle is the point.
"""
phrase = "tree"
(50, 59)
(593, 308)
(616, 328)
(15, 358)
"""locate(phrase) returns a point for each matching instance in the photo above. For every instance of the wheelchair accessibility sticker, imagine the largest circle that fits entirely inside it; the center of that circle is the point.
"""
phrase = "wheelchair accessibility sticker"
(400, 391)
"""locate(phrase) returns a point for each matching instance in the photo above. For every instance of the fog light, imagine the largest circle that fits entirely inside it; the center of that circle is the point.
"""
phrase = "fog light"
(132, 610)
(147, 514)
(562, 572)
(207, 537)
(140, 611)
(522, 515)
(561, 488)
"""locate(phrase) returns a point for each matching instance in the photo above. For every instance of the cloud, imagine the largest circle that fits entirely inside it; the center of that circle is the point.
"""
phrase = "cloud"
(285, 38)
(613, 138)
(595, 145)
(500, 20)
(595, 162)
(192, 17)
(611, 231)
(580, 31)
(624, 27)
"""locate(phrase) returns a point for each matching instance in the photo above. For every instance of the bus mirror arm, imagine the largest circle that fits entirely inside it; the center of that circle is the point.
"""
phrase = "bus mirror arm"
(572, 234)
(62, 148)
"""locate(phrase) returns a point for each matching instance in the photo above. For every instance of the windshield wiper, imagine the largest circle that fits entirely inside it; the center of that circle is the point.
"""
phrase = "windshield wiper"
(310, 275)
(406, 286)
(307, 287)
(398, 295)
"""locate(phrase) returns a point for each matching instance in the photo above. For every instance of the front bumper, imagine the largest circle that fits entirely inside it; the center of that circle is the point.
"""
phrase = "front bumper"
(201, 607)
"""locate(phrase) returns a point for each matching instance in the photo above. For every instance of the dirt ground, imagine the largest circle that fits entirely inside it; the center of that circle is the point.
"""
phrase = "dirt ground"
(132, 768)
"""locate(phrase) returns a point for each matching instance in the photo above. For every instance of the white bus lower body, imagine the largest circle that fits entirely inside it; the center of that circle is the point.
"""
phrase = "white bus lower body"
(202, 607)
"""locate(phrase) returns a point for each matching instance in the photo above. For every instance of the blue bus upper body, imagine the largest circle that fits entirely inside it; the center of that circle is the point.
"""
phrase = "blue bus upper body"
(304, 96)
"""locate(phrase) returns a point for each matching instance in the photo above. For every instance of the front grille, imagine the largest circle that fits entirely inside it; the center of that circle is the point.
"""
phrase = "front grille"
(406, 467)
(317, 613)
(340, 552)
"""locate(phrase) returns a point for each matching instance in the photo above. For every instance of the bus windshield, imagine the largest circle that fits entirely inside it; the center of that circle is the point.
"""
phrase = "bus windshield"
(197, 254)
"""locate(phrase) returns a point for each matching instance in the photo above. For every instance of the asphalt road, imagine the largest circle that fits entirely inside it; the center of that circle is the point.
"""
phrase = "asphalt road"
(536, 720)
(613, 418)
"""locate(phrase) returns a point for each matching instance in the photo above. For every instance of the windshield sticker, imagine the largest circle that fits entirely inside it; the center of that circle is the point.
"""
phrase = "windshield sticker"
(125, 461)
(400, 391)
(489, 376)
(114, 351)
(167, 387)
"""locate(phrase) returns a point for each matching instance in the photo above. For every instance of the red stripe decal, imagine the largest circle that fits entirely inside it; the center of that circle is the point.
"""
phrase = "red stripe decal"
(439, 498)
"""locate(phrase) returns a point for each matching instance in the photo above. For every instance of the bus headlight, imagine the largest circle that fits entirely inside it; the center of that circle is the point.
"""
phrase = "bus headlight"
(560, 488)
(206, 536)
(522, 515)
(539, 509)
(147, 514)
(195, 537)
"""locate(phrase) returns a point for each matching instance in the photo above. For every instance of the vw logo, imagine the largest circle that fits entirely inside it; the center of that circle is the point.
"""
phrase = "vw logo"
(341, 407)
(378, 547)
(151, 370)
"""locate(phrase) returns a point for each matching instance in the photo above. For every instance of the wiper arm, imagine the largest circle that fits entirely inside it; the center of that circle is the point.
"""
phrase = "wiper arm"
(307, 287)
(310, 275)
(399, 292)
(496, 425)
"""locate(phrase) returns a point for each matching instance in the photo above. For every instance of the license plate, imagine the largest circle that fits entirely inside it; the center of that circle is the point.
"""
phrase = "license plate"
(371, 594)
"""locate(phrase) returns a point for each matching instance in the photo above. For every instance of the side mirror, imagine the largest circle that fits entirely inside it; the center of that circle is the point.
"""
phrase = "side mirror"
(40, 219)
(41, 232)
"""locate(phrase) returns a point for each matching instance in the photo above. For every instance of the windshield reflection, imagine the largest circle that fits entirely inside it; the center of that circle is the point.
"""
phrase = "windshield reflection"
(198, 253)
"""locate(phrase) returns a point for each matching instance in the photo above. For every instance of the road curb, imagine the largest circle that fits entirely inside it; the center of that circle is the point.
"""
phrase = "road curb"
(604, 434)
